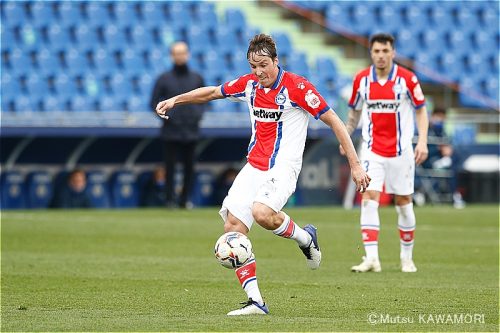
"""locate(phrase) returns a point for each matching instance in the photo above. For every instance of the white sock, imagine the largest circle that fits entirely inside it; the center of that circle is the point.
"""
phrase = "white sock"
(288, 229)
(370, 227)
(406, 225)
(248, 280)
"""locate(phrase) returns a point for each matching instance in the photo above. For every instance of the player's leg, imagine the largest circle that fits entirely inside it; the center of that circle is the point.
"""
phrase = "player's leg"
(236, 212)
(266, 211)
(369, 218)
(170, 158)
(401, 183)
(406, 225)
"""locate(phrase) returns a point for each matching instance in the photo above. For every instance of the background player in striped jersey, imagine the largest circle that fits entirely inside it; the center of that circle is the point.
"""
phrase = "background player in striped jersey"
(387, 95)
(279, 103)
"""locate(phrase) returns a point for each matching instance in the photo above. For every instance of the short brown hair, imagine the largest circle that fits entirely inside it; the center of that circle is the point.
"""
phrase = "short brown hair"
(263, 45)
(382, 38)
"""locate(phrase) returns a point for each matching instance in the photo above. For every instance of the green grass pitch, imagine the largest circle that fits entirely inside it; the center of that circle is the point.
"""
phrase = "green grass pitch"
(154, 270)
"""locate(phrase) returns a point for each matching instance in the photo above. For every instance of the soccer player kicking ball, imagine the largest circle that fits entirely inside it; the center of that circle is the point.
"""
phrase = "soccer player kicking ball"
(279, 103)
(386, 95)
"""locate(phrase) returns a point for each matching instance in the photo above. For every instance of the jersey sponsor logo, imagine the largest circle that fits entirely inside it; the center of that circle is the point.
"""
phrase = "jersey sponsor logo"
(280, 99)
(418, 93)
(263, 114)
(397, 88)
(382, 106)
(312, 99)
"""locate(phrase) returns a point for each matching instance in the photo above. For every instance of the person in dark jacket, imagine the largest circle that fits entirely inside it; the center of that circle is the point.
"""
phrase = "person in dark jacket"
(73, 194)
(181, 131)
(153, 191)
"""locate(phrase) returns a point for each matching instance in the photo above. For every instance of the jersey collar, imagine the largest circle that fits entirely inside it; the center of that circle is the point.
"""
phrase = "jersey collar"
(392, 73)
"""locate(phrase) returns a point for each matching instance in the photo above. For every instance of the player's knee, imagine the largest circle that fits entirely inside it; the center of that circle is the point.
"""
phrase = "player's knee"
(264, 216)
(232, 224)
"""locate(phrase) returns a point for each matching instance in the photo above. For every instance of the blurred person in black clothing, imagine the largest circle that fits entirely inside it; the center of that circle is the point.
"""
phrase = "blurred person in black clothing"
(181, 132)
(73, 194)
(153, 192)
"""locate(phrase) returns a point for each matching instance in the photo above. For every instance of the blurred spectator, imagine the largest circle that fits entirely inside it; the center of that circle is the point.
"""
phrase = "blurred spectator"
(73, 194)
(442, 154)
(180, 132)
(223, 184)
(153, 192)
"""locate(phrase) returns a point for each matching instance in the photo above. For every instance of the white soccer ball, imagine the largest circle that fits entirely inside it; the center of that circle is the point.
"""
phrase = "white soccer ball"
(233, 250)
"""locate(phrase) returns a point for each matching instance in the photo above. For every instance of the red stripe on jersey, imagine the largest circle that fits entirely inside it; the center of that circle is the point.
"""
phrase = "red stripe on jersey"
(264, 145)
(384, 134)
(266, 100)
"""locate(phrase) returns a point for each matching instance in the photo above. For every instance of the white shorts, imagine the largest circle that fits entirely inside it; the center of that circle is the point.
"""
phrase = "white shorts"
(272, 188)
(398, 173)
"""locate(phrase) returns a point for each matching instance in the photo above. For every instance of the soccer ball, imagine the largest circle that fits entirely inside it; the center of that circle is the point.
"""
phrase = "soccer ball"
(233, 249)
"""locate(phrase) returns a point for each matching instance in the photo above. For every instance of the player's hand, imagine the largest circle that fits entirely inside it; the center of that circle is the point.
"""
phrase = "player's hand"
(342, 151)
(421, 153)
(360, 178)
(164, 106)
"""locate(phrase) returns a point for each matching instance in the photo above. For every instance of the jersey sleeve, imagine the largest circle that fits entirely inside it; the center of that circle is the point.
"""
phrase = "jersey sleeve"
(307, 97)
(235, 89)
(415, 92)
(356, 100)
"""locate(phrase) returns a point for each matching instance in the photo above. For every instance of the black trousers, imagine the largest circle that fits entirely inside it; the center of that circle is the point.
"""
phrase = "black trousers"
(183, 152)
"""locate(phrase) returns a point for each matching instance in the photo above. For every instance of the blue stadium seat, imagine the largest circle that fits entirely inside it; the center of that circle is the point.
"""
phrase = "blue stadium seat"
(109, 103)
(159, 62)
(37, 85)
(97, 13)
(235, 20)
(42, 13)
(146, 82)
(14, 13)
(10, 85)
(364, 20)
(8, 37)
(30, 38)
(69, 13)
(142, 38)
(104, 61)
(296, 63)
(451, 66)
(125, 13)
(239, 63)
(433, 41)
(326, 68)
(115, 37)
(337, 15)
(12, 190)
(492, 87)
(198, 37)
(489, 17)
(59, 37)
(86, 37)
(121, 85)
(405, 42)
(152, 12)
(92, 86)
(47, 62)
(54, 104)
(75, 62)
(179, 16)
(138, 104)
(24, 103)
(97, 189)
(132, 62)
(441, 17)
(80, 103)
(20, 62)
(467, 19)
(124, 192)
(203, 187)
(65, 86)
(39, 189)
(468, 87)
(284, 45)
(483, 40)
(391, 17)
(206, 17)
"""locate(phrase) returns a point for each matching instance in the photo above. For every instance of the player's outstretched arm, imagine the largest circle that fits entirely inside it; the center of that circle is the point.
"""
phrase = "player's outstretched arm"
(196, 96)
(421, 150)
(359, 176)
